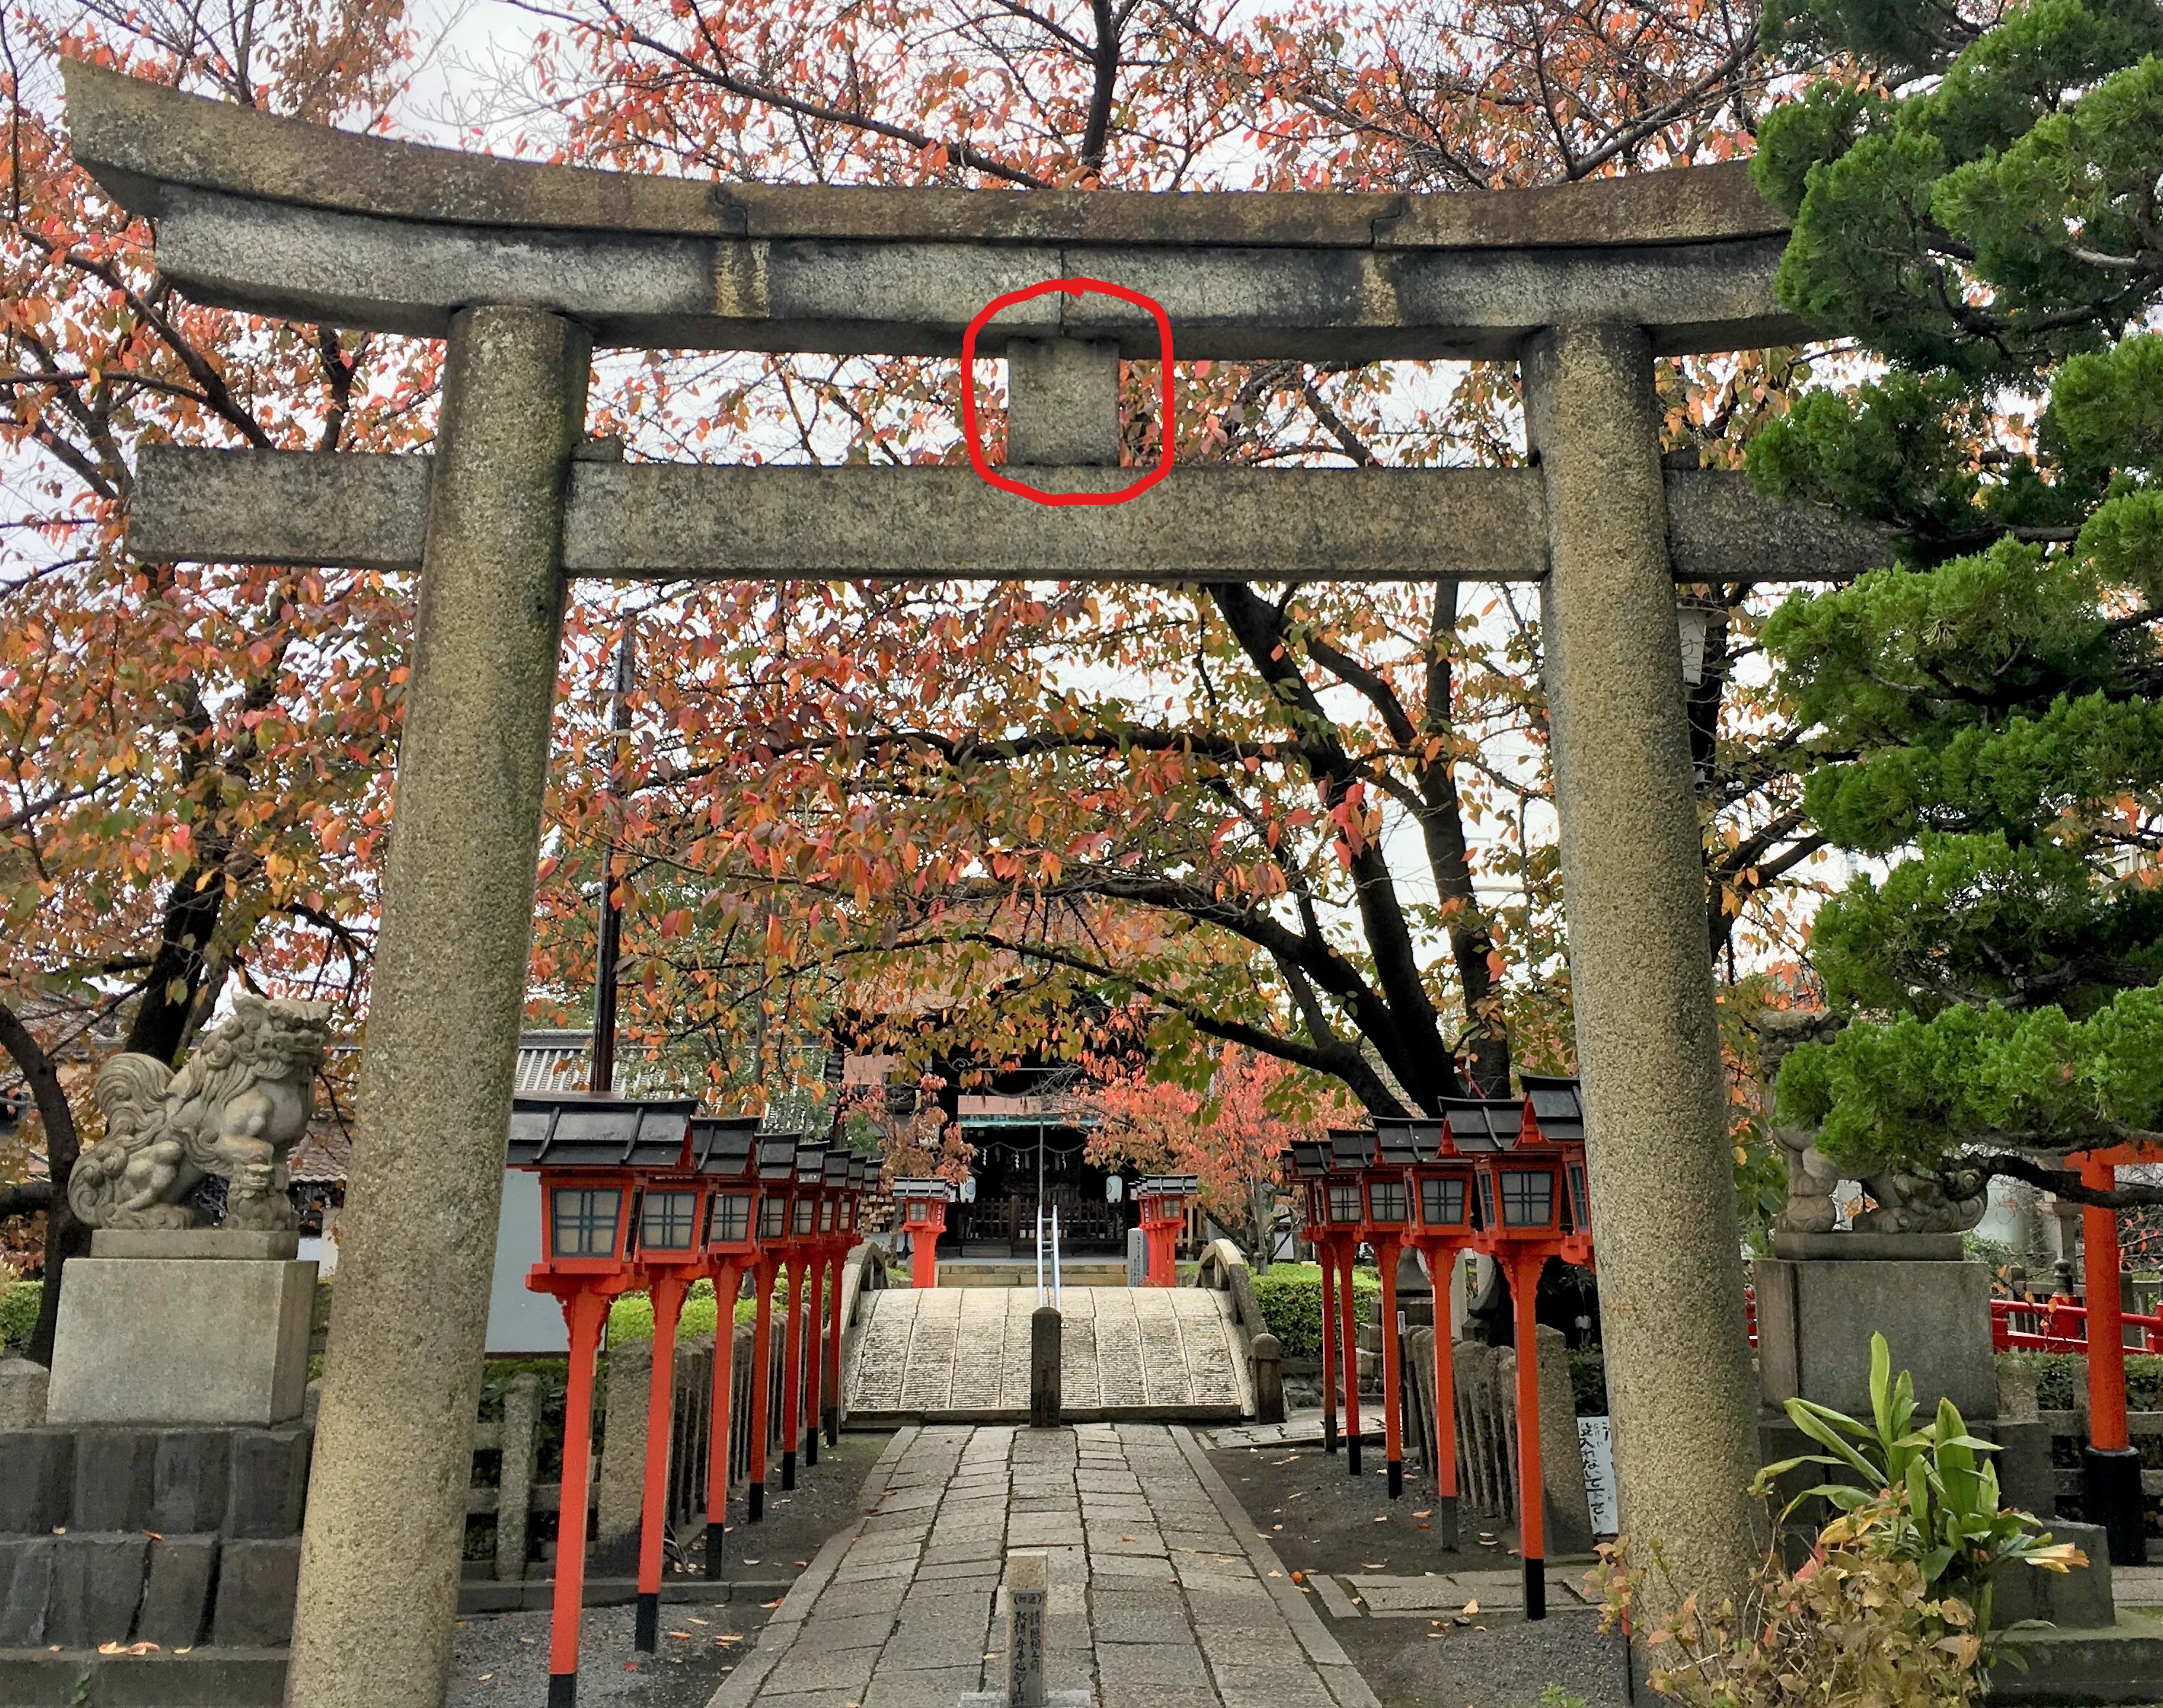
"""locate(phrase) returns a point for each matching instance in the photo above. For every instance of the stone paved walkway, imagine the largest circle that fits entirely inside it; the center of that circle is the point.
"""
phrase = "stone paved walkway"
(1162, 1596)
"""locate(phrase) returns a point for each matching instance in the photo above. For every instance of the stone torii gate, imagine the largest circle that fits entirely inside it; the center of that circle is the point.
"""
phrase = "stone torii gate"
(525, 269)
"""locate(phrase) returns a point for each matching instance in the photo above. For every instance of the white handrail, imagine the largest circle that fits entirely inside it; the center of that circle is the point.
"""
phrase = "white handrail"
(1055, 1297)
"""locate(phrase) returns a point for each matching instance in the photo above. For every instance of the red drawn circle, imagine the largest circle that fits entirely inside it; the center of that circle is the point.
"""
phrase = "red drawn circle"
(1072, 287)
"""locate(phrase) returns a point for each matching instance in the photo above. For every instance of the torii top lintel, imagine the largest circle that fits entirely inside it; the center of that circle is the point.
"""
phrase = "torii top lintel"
(287, 218)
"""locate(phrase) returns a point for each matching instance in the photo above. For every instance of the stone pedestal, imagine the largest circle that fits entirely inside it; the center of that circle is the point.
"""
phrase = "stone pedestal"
(1815, 1317)
(183, 1333)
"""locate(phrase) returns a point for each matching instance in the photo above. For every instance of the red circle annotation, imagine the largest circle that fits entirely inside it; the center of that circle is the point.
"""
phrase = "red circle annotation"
(973, 438)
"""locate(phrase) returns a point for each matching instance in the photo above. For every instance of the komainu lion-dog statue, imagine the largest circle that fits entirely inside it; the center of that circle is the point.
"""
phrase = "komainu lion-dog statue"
(235, 1109)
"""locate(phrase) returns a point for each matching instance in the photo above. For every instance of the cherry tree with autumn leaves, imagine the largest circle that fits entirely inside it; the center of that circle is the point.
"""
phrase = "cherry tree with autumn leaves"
(1231, 1134)
(1059, 800)
(194, 759)
(1067, 797)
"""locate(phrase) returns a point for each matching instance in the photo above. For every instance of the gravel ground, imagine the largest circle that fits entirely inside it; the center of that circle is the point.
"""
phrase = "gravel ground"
(1319, 1518)
(502, 1660)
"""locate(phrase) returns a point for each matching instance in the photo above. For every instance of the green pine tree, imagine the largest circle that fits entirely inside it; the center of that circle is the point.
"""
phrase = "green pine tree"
(1979, 209)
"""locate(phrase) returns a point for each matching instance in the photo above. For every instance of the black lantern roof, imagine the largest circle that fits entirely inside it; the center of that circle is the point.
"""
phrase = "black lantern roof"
(1310, 1158)
(1556, 1108)
(941, 1190)
(583, 1131)
(1166, 1185)
(811, 1161)
(836, 1166)
(859, 1173)
(1409, 1139)
(726, 1145)
(1350, 1147)
(1483, 1124)
(776, 1156)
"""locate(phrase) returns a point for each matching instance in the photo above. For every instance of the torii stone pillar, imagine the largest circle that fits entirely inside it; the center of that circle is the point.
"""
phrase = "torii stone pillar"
(1670, 1267)
(393, 1445)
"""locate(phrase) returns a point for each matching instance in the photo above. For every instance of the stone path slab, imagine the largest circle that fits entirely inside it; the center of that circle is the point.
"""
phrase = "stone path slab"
(961, 1354)
(1162, 1594)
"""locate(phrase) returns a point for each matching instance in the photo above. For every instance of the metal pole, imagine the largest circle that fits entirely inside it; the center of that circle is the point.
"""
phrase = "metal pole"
(1056, 1297)
(602, 1079)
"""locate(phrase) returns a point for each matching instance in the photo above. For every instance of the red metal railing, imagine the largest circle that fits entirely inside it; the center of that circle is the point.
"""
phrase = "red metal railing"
(2059, 1325)
(2022, 1325)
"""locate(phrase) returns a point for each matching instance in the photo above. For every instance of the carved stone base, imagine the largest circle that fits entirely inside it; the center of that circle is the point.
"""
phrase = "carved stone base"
(181, 1340)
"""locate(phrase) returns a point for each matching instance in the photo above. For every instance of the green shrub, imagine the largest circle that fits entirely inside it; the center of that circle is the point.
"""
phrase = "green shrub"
(2061, 1381)
(18, 1315)
(1587, 1381)
(1290, 1295)
(631, 1316)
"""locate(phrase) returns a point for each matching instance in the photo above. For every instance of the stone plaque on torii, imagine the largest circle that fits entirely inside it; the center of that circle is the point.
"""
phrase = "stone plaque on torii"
(525, 269)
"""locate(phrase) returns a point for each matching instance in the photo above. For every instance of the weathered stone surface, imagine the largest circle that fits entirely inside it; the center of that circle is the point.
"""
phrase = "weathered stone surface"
(1656, 1100)
(115, 1478)
(268, 1481)
(37, 1480)
(386, 1506)
(1199, 523)
(1567, 1514)
(176, 1592)
(1063, 404)
(23, 1387)
(254, 213)
(256, 1582)
(26, 1582)
(2079, 1600)
(139, 136)
(262, 1245)
(96, 1586)
(174, 1340)
(190, 1481)
(1814, 1322)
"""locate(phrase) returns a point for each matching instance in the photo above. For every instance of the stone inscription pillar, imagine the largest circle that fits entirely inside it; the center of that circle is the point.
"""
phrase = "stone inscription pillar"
(1679, 1387)
(386, 1500)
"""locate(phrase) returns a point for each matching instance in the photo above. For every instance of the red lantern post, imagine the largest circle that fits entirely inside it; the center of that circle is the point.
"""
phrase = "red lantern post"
(1345, 1206)
(592, 1153)
(1528, 1214)
(1310, 1162)
(1442, 1195)
(845, 1240)
(924, 1219)
(726, 1152)
(825, 1283)
(670, 1253)
(776, 1185)
(1164, 1198)
(802, 1242)
(1386, 1184)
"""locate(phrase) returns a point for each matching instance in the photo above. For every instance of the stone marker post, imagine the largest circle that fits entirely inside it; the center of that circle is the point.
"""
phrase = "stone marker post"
(1029, 1587)
(1641, 969)
(1043, 1367)
(393, 1456)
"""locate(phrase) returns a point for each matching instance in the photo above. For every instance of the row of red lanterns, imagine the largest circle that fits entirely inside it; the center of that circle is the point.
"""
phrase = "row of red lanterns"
(651, 1196)
(1504, 1178)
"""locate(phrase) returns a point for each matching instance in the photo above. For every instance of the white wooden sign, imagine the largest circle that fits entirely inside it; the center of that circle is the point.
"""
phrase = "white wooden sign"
(1596, 1447)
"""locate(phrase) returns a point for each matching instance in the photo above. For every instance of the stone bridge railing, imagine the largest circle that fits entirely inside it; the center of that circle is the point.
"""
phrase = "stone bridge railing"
(1223, 1269)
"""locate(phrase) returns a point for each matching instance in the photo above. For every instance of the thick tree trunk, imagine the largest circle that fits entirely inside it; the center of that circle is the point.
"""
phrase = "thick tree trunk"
(65, 1236)
(160, 1026)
